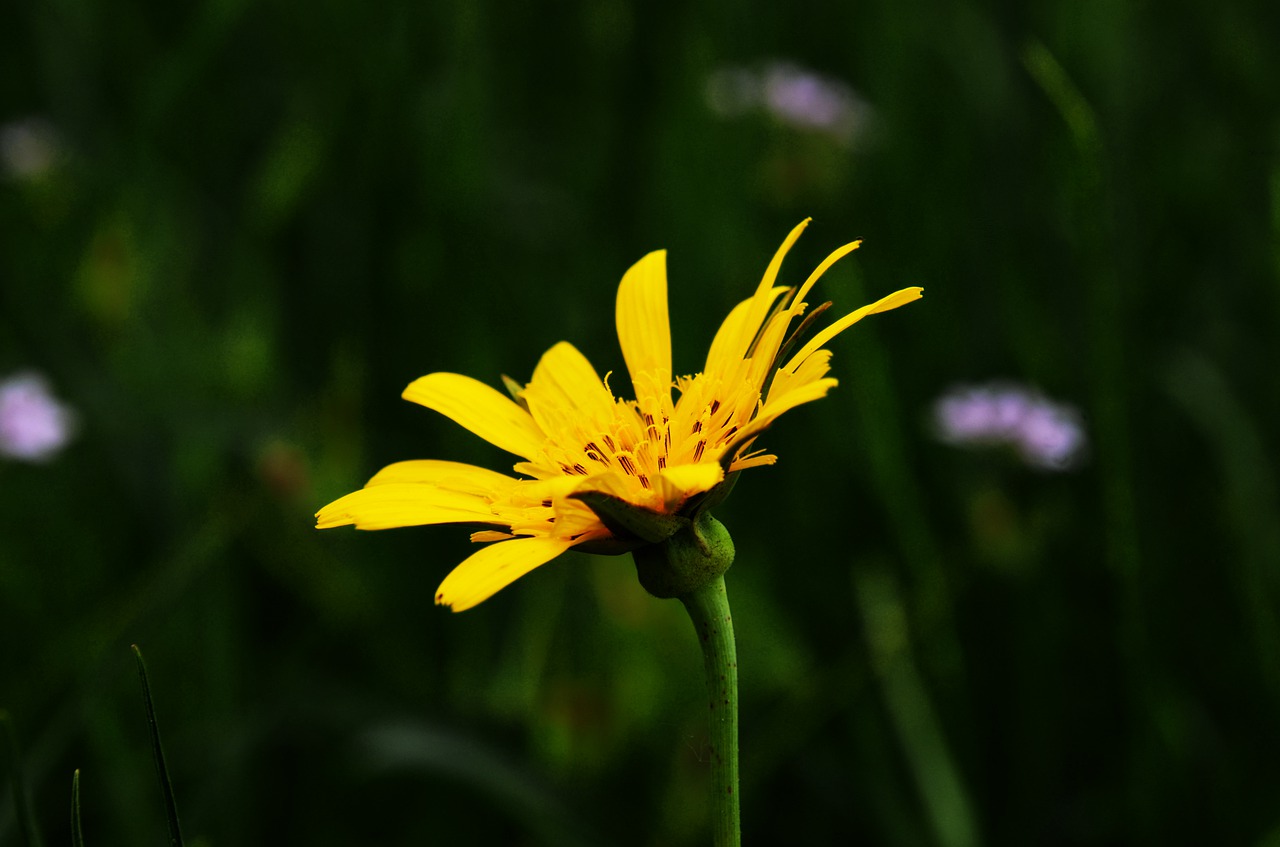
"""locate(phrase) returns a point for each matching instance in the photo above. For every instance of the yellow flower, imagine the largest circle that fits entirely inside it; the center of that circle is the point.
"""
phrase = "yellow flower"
(664, 460)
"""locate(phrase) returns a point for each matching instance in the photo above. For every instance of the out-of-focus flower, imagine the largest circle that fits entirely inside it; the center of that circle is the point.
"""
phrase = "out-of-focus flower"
(33, 424)
(28, 148)
(282, 468)
(601, 473)
(1047, 435)
(792, 95)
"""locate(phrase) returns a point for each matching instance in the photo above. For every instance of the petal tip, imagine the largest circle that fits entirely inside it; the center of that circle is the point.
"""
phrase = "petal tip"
(658, 257)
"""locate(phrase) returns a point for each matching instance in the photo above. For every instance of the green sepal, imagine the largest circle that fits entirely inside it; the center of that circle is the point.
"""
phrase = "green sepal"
(609, 546)
(688, 560)
(516, 390)
(628, 521)
(711, 498)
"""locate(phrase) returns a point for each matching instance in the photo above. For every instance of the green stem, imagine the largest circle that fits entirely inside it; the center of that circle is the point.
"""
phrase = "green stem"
(709, 609)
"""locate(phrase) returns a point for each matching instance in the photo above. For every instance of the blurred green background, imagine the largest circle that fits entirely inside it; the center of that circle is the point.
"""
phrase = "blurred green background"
(260, 221)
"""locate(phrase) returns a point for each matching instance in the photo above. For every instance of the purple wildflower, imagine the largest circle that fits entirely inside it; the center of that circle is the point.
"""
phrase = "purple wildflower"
(1047, 435)
(792, 95)
(805, 99)
(28, 148)
(33, 425)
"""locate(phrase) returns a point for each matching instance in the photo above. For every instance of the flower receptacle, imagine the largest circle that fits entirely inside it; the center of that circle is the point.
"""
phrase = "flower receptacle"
(687, 560)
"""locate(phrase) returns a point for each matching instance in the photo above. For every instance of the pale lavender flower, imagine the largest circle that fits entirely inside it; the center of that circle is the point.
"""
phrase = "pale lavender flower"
(805, 99)
(1051, 436)
(792, 95)
(28, 147)
(33, 425)
(1047, 435)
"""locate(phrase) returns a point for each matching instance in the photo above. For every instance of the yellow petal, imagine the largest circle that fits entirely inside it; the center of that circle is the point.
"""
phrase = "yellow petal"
(743, 324)
(774, 334)
(477, 407)
(779, 404)
(810, 370)
(771, 338)
(797, 396)
(761, 302)
(644, 329)
(454, 476)
(403, 504)
(573, 517)
(493, 568)
(884, 304)
(836, 255)
(680, 482)
(566, 385)
(552, 487)
(486, 535)
(734, 335)
(756, 460)
(621, 486)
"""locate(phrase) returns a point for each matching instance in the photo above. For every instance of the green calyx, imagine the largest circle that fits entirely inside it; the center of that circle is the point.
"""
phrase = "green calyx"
(674, 554)
(687, 560)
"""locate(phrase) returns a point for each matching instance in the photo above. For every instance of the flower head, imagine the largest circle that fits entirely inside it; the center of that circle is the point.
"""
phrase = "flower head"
(28, 148)
(33, 424)
(598, 472)
(1045, 434)
(791, 95)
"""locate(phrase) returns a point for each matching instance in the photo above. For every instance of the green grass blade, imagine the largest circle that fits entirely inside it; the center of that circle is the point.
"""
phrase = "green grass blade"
(77, 833)
(162, 770)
